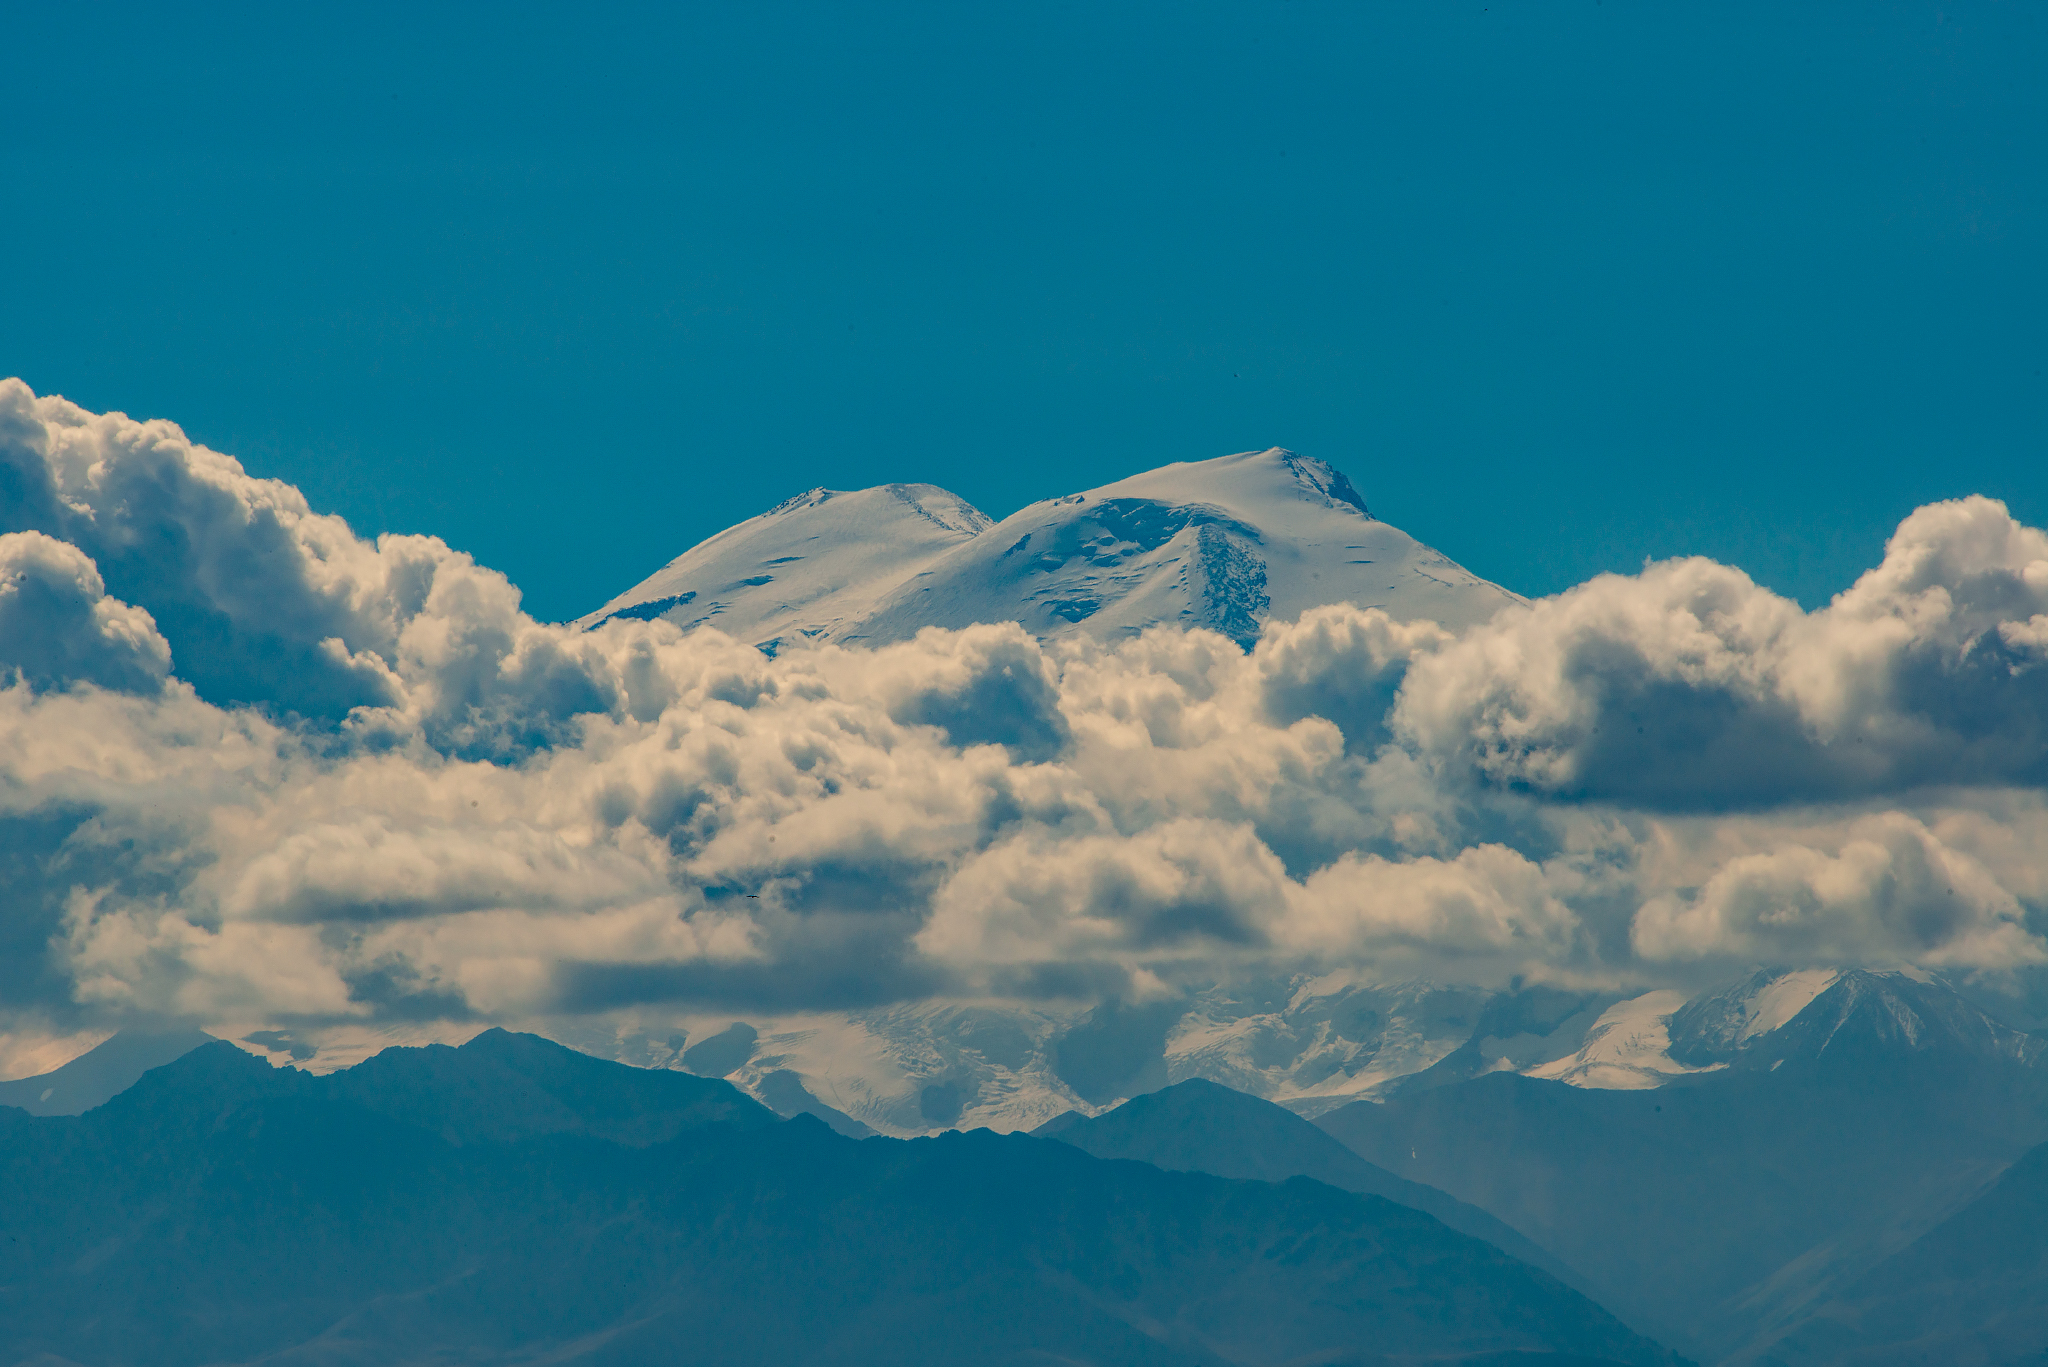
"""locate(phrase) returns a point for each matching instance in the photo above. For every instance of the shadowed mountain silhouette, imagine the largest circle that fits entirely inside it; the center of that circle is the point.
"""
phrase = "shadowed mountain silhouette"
(1974, 1289)
(1203, 1126)
(225, 1211)
(787, 1096)
(103, 1071)
(502, 1086)
(1719, 1209)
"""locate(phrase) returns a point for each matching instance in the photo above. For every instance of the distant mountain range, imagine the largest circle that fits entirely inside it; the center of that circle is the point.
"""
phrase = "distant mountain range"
(512, 1201)
(1803, 1168)
(1223, 544)
(1312, 1044)
(1825, 1168)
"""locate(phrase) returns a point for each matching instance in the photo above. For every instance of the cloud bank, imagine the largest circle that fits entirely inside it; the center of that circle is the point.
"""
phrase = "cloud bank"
(256, 767)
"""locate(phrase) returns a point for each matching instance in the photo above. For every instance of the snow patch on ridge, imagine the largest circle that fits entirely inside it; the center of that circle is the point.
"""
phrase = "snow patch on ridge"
(1626, 1049)
(1785, 998)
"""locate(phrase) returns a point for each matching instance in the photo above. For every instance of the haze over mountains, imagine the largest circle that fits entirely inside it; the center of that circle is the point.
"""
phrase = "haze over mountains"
(1829, 1184)
(1848, 1174)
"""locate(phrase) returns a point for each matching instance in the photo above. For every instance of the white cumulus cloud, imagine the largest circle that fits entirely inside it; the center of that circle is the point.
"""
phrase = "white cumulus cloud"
(253, 766)
(1689, 687)
(59, 628)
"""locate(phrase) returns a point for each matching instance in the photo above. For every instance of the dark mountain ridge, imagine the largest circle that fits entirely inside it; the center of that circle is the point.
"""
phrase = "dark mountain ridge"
(511, 1201)
(105, 1070)
(1973, 1290)
(1203, 1126)
(502, 1086)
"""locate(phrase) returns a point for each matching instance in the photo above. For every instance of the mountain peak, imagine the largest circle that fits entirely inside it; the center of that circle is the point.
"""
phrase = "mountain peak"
(503, 1086)
(1898, 1012)
(1821, 1015)
(805, 568)
(1249, 476)
(101, 1072)
(1224, 544)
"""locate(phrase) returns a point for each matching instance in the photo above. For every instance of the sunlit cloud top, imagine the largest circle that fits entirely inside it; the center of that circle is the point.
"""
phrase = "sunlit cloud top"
(255, 767)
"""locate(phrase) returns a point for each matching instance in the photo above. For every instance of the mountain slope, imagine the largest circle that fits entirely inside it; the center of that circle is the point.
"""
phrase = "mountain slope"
(1723, 1202)
(805, 567)
(103, 1071)
(501, 1087)
(1973, 1290)
(224, 1211)
(1225, 544)
(1199, 1126)
(786, 1094)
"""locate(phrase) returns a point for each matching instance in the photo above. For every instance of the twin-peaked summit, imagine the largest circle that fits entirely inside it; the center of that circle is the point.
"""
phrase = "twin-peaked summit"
(1225, 544)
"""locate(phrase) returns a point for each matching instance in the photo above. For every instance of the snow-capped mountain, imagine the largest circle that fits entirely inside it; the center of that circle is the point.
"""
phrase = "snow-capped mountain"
(1310, 1044)
(1719, 1027)
(807, 567)
(1852, 1018)
(1727, 1164)
(1316, 1044)
(1225, 544)
(1773, 1017)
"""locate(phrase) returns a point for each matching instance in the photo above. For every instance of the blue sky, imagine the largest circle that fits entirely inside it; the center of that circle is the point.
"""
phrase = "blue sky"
(1560, 286)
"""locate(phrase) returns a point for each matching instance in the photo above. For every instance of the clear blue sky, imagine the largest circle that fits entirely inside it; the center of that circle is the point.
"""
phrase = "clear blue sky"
(1559, 285)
